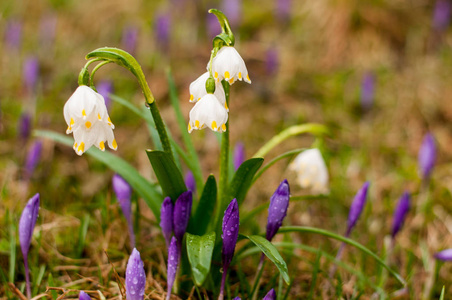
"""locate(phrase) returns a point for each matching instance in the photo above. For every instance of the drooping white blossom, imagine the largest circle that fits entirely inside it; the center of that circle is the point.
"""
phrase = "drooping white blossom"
(87, 118)
(198, 90)
(311, 170)
(229, 65)
(208, 112)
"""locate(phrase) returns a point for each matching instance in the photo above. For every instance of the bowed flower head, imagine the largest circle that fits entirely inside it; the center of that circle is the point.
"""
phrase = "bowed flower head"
(208, 112)
(311, 170)
(229, 65)
(198, 90)
(87, 117)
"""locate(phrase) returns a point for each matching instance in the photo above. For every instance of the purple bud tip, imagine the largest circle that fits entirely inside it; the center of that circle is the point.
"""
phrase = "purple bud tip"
(445, 255)
(190, 181)
(283, 9)
(166, 219)
(31, 73)
(33, 157)
(13, 34)
(121, 187)
(357, 207)
(367, 90)
(83, 296)
(271, 295)
(427, 156)
(230, 232)
(105, 88)
(25, 126)
(181, 214)
(135, 277)
(277, 210)
(237, 298)
(27, 223)
(239, 155)
(403, 206)
(173, 262)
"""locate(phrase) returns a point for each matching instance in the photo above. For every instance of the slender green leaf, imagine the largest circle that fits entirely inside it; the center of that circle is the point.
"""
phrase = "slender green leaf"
(315, 272)
(272, 253)
(167, 173)
(51, 283)
(143, 187)
(243, 178)
(200, 220)
(83, 230)
(441, 297)
(199, 251)
(38, 279)
(275, 160)
(12, 251)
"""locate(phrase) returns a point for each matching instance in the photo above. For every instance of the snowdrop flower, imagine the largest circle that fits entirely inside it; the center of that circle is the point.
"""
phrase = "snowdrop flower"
(311, 170)
(198, 90)
(208, 112)
(229, 65)
(87, 117)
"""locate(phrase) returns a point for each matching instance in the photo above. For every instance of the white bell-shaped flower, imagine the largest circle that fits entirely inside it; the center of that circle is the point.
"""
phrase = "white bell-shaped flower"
(208, 112)
(311, 170)
(198, 90)
(87, 117)
(229, 65)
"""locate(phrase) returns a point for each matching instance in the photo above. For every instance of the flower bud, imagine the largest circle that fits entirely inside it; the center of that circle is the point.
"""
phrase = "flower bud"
(271, 295)
(239, 155)
(357, 207)
(445, 255)
(27, 223)
(441, 15)
(181, 215)
(166, 220)
(367, 90)
(163, 30)
(403, 206)
(31, 73)
(13, 34)
(427, 156)
(83, 296)
(190, 181)
(135, 277)
(230, 234)
(173, 262)
(277, 210)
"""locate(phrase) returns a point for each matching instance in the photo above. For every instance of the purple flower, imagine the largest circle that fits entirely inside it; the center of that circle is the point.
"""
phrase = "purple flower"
(283, 10)
(272, 61)
(427, 156)
(25, 126)
(271, 295)
(83, 296)
(441, 15)
(163, 29)
(190, 181)
(367, 90)
(33, 157)
(31, 73)
(135, 277)
(403, 206)
(166, 219)
(105, 88)
(445, 255)
(278, 209)
(357, 207)
(123, 192)
(232, 9)
(173, 261)
(181, 215)
(237, 298)
(129, 39)
(13, 34)
(26, 225)
(239, 155)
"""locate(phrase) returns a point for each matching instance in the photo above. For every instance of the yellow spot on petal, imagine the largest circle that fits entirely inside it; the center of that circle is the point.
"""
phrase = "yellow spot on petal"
(189, 127)
(109, 121)
(231, 81)
(98, 116)
(223, 127)
(226, 105)
(88, 124)
(214, 125)
(68, 128)
(72, 122)
(75, 146)
(248, 77)
(226, 75)
(114, 144)
(191, 97)
(216, 74)
(81, 148)
(240, 75)
(84, 113)
(196, 124)
(102, 146)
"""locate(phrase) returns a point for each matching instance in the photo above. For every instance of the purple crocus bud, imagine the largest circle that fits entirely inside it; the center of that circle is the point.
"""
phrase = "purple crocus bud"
(367, 90)
(445, 255)
(190, 181)
(25, 126)
(83, 296)
(237, 298)
(105, 88)
(278, 209)
(233, 10)
(30, 73)
(166, 219)
(271, 295)
(173, 262)
(213, 27)
(135, 277)
(181, 215)
(163, 29)
(283, 10)
(26, 226)
(403, 206)
(13, 34)
(357, 207)
(239, 155)
(441, 15)
(33, 157)
(123, 192)
(427, 156)
(129, 39)
(272, 61)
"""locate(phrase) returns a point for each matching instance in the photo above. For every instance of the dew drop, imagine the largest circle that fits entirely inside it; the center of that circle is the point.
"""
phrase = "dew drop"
(135, 280)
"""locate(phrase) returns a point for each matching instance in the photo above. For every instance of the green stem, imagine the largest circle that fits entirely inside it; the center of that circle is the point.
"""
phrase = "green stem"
(100, 65)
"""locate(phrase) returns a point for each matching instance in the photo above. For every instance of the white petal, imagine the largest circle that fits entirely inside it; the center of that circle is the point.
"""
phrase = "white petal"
(208, 112)
(311, 170)
(198, 89)
(229, 65)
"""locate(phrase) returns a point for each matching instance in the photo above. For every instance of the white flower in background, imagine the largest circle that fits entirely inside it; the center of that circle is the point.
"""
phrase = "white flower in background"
(229, 65)
(87, 117)
(198, 90)
(208, 112)
(311, 170)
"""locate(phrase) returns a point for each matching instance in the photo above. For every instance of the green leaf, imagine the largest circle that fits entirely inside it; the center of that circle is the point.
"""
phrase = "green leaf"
(167, 173)
(142, 186)
(199, 251)
(272, 253)
(441, 297)
(243, 178)
(200, 220)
